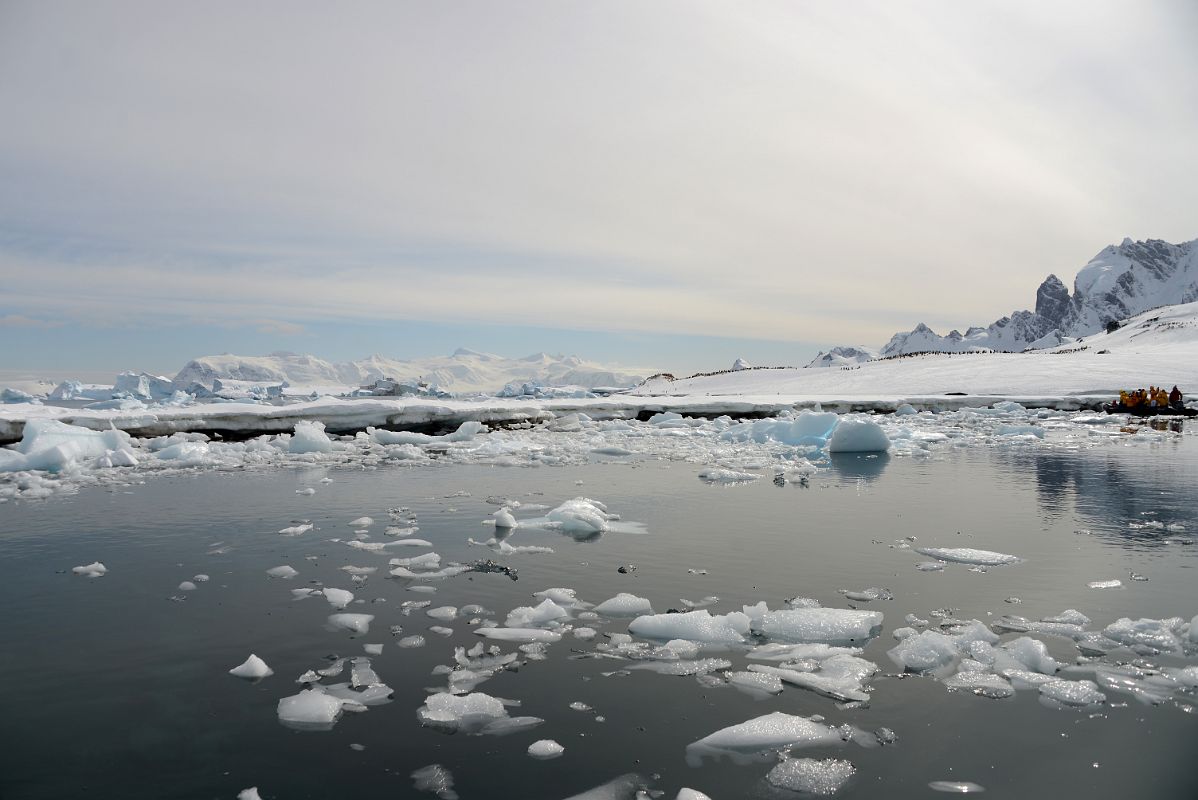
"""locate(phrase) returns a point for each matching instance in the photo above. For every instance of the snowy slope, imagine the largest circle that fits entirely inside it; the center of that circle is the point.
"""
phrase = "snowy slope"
(843, 357)
(463, 371)
(1156, 347)
(1120, 281)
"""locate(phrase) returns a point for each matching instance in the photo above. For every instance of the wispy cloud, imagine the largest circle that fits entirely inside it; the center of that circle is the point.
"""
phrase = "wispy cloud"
(22, 321)
(796, 171)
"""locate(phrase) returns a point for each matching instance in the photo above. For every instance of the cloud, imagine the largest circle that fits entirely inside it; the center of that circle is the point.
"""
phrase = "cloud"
(796, 170)
(21, 321)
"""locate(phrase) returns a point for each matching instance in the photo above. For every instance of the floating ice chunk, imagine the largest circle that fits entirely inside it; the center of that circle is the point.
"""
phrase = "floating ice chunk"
(700, 666)
(309, 491)
(545, 749)
(1069, 616)
(695, 626)
(957, 787)
(249, 794)
(187, 586)
(357, 623)
(867, 595)
(811, 428)
(361, 522)
(968, 555)
(296, 530)
(54, 446)
(441, 630)
(504, 519)
(690, 794)
(311, 709)
(625, 787)
(858, 436)
(1111, 584)
(253, 668)
(1072, 693)
(309, 437)
(798, 652)
(755, 682)
(422, 561)
(338, 598)
(983, 684)
(624, 605)
(186, 453)
(92, 570)
(827, 625)
(925, 652)
(1157, 635)
(282, 571)
(519, 634)
(584, 633)
(721, 475)
(436, 779)
(580, 515)
(373, 649)
(409, 642)
(1025, 653)
(756, 739)
(546, 614)
(930, 566)
(812, 776)
(566, 598)
(474, 713)
(841, 677)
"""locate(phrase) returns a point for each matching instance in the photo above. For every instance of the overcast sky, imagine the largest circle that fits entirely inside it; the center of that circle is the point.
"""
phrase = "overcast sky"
(667, 184)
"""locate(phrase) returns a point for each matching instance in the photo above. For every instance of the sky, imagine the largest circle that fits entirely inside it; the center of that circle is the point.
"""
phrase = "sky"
(668, 185)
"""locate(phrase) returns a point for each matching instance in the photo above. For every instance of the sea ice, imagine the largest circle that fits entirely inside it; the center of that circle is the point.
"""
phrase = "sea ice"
(580, 515)
(436, 779)
(545, 614)
(957, 787)
(827, 625)
(624, 605)
(755, 682)
(443, 613)
(249, 794)
(1072, 693)
(695, 626)
(858, 436)
(545, 749)
(925, 652)
(187, 586)
(519, 634)
(1109, 584)
(756, 739)
(968, 555)
(311, 709)
(253, 668)
(357, 623)
(810, 775)
(283, 571)
(373, 649)
(338, 598)
(475, 713)
(92, 570)
(309, 437)
(361, 522)
(690, 794)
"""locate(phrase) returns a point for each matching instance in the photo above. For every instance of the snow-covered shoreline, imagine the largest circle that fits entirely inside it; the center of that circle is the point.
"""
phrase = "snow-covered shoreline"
(345, 416)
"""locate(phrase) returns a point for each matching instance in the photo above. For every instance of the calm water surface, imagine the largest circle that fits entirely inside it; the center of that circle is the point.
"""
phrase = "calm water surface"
(115, 690)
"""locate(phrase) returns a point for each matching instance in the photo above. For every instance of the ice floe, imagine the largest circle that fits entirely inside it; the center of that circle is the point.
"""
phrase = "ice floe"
(545, 749)
(253, 668)
(759, 738)
(811, 776)
(968, 555)
(476, 714)
(92, 570)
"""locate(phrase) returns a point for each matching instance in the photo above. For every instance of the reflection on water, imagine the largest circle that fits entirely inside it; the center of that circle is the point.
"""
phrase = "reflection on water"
(1131, 494)
(859, 466)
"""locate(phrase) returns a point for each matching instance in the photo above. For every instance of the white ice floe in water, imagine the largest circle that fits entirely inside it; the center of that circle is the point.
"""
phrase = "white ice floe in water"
(624, 605)
(296, 530)
(694, 626)
(1108, 584)
(544, 615)
(722, 475)
(812, 776)
(187, 586)
(759, 738)
(357, 623)
(373, 649)
(311, 709)
(519, 634)
(690, 794)
(53, 446)
(937, 652)
(436, 779)
(361, 522)
(545, 749)
(475, 713)
(282, 571)
(839, 676)
(826, 625)
(755, 682)
(309, 437)
(504, 519)
(338, 598)
(1149, 636)
(92, 570)
(1072, 693)
(968, 555)
(858, 435)
(956, 787)
(249, 794)
(253, 668)
(580, 515)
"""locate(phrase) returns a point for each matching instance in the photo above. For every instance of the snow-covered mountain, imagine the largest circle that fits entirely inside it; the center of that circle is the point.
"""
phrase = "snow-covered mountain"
(1119, 282)
(843, 357)
(463, 371)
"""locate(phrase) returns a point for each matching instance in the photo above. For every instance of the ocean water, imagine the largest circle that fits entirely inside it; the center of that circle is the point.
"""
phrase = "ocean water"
(118, 686)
